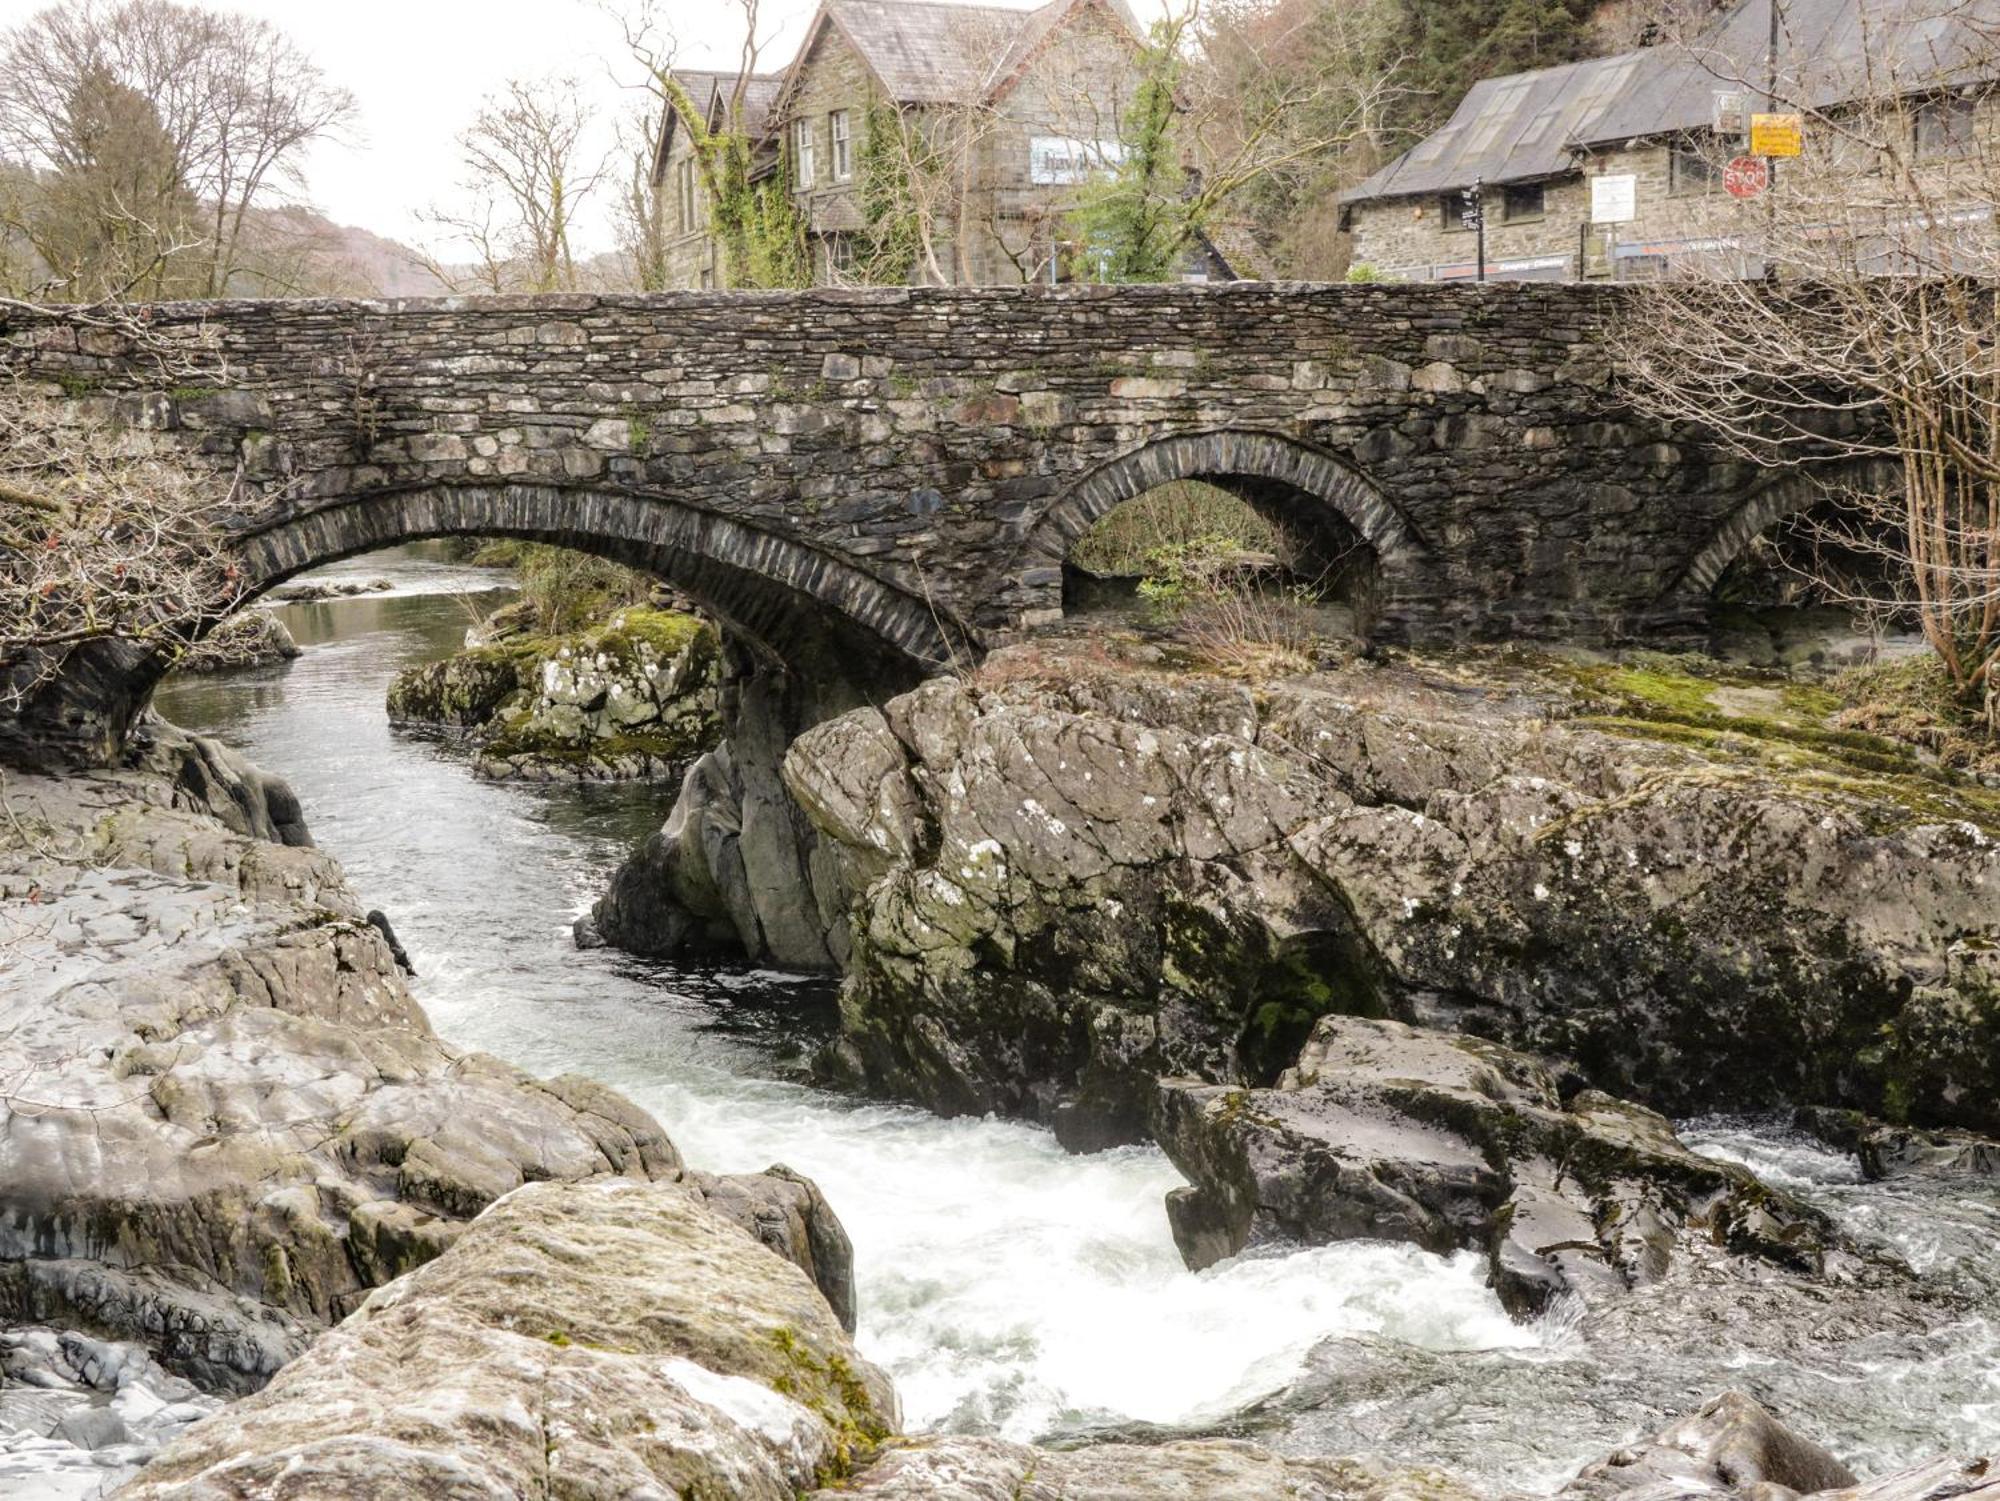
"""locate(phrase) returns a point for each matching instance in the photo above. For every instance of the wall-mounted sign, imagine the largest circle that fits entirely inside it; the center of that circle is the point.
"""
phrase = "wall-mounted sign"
(1732, 113)
(1746, 177)
(1614, 199)
(1777, 135)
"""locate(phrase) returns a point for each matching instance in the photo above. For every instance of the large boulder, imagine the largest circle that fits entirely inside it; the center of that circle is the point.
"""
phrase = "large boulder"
(1070, 874)
(632, 697)
(224, 1117)
(598, 1340)
(737, 868)
(1734, 1447)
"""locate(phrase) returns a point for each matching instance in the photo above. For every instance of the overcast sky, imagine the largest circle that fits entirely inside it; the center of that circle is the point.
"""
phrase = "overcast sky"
(419, 68)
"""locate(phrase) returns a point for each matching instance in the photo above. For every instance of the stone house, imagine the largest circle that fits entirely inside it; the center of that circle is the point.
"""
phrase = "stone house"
(692, 259)
(1647, 122)
(1020, 108)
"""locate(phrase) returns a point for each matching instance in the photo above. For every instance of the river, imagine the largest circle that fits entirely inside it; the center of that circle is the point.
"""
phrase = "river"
(1006, 1286)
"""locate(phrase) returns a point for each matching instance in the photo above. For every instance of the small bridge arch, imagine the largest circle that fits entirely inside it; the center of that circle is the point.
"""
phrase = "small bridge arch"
(1790, 493)
(1306, 489)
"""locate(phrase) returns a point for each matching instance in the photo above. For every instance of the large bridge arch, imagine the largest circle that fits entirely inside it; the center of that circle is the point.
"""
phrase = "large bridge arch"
(799, 609)
(791, 601)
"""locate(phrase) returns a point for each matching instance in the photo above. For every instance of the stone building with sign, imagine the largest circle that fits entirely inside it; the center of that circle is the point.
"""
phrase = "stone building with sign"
(1021, 107)
(1614, 167)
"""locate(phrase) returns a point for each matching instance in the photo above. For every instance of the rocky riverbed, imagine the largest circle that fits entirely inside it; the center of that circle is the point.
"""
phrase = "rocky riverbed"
(622, 1323)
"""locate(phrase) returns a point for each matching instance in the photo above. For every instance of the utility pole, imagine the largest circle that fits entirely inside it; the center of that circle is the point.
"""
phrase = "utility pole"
(1771, 163)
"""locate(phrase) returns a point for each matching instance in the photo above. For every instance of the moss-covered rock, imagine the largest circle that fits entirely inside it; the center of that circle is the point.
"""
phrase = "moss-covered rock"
(632, 697)
(251, 638)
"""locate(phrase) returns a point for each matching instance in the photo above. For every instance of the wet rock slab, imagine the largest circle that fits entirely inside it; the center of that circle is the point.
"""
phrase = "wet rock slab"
(1383, 1131)
(611, 1339)
(224, 1116)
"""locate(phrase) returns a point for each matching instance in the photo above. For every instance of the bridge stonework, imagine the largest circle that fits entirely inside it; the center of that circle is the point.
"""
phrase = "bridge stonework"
(902, 470)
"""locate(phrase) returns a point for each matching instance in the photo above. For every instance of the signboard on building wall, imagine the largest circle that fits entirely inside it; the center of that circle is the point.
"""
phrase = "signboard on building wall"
(1614, 199)
(1732, 113)
(1056, 161)
(1777, 135)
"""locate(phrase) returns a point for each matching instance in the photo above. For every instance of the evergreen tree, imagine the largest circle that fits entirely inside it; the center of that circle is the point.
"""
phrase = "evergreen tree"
(1452, 44)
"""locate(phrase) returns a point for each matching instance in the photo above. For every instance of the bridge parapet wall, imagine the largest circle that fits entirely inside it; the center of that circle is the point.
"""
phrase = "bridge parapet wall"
(932, 440)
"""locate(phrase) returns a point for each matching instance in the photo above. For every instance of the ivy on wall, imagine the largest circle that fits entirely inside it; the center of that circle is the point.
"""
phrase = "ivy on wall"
(756, 223)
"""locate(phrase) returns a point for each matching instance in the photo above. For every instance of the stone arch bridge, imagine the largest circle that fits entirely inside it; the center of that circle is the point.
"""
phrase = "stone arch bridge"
(894, 476)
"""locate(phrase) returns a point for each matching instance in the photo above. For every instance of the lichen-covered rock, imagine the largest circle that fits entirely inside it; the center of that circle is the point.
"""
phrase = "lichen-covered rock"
(634, 697)
(1388, 1132)
(592, 1341)
(1070, 875)
(251, 638)
(224, 1117)
(985, 1469)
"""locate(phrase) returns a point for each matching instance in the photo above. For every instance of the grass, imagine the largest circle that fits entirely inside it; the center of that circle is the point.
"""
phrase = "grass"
(1912, 700)
(1178, 515)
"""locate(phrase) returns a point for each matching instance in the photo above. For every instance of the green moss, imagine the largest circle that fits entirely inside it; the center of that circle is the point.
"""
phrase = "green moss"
(76, 386)
(193, 393)
(830, 1388)
(1758, 721)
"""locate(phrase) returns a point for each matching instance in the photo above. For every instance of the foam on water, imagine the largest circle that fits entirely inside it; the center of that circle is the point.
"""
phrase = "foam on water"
(1007, 1286)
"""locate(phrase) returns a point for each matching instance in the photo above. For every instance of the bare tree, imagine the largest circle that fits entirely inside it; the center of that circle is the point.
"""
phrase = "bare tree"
(100, 541)
(529, 168)
(158, 113)
(1866, 357)
(640, 216)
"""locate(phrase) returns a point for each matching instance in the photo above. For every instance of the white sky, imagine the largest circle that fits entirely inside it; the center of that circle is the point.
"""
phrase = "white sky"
(419, 68)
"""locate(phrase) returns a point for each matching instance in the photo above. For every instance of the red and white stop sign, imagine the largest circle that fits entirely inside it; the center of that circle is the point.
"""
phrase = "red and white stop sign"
(1747, 176)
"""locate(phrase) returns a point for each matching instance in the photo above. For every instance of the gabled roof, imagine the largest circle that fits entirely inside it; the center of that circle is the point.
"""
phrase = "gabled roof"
(1530, 125)
(1511, 129)
(930, 52)
(711, 90)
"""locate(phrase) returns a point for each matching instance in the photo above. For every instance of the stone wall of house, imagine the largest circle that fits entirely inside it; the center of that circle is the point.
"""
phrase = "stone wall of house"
(692, 259)
(1407, 238)
(832, 77)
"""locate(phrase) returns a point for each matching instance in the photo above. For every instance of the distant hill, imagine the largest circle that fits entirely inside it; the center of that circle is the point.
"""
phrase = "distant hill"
(322, 257)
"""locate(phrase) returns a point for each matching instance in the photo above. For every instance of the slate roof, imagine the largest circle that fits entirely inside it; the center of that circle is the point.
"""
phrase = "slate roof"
(925, 52)
(1829, 51)
(935, 52)
(1511, 129)
(711, 89)
(1529, 125)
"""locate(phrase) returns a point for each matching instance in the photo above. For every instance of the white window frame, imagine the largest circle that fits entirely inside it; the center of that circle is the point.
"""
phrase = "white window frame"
(803, 174)
(840, 129)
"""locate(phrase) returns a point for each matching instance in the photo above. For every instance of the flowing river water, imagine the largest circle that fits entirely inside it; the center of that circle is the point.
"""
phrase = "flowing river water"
(1007, 1286)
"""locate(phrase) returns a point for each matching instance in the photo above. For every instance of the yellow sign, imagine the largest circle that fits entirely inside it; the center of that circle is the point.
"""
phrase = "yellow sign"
(1777, 135)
